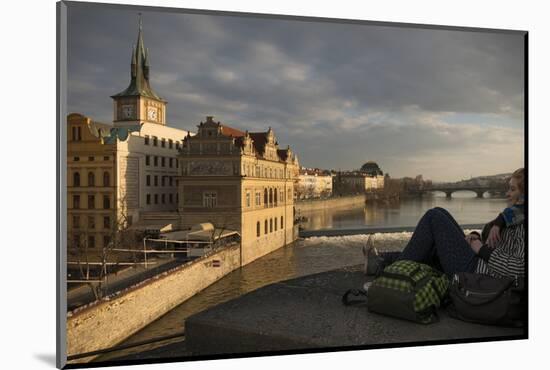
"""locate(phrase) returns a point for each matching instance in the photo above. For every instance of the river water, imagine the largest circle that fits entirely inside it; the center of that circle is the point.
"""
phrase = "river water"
(316, 255)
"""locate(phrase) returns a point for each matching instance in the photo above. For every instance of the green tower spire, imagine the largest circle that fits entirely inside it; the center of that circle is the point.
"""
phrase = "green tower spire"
(139, 71)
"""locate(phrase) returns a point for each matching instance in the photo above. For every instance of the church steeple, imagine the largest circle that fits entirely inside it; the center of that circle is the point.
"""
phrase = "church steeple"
(139, 71)
(138, 103)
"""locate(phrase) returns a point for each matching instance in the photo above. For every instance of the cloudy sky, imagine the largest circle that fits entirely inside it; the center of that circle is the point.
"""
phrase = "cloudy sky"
(443, 103)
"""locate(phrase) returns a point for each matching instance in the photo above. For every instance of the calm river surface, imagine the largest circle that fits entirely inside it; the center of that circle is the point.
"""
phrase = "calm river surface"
(305, 258)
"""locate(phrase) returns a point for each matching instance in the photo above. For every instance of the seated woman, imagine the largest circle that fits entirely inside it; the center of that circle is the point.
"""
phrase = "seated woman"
(439, 241)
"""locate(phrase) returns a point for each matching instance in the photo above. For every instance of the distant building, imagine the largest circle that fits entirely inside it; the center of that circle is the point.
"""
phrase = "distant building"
(369, 178)
(240, 181)
(314, 183)
(117, 174)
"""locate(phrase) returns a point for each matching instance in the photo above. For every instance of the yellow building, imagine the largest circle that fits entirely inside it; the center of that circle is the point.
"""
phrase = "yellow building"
(240, 181)
(123, 174)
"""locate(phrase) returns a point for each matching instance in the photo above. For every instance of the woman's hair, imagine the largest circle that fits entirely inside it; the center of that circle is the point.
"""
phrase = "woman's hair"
(519, 176)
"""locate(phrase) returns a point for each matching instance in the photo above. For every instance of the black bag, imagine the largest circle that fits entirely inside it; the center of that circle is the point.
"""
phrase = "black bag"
(488, 300)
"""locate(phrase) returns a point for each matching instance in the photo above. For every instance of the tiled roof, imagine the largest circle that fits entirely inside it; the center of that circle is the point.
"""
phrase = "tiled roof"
(259, 140)
(230, 131)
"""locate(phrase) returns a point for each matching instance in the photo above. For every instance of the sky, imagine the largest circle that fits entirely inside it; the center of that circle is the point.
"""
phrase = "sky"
(447, 104)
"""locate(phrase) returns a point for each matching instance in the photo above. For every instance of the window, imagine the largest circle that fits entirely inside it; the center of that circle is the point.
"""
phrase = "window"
(76, 201)
(156, 161)
(248, 199)
(148, 180)
(76, 134)
(106, 222)
(163, 143)
(171, 162)
(162, 180)
(91, 201)
(275, 224)
(265, 198)
(170, 144)
(91, 222)
(148, 199)
(147, 160)
(155, 141)
(282, 225)
(209, 199)
(146, 139)
(76, 179)
(106, 179)
(265, 227)
(177, 163)
(162, 161)
(171, 197)
(106, 240)
(171, 181)
(106, 158)
(271, 197)
(76, 222)
(76, 159)
(258, 198)
(176, 197)
(76, 240)
(258, 229)
(106, 202)
(163, 198)
(270, 225)
(177, 145)
(91, 159)
(91, 241)
(91, 179)
(156, 199)
(275, 195)
(156, 180)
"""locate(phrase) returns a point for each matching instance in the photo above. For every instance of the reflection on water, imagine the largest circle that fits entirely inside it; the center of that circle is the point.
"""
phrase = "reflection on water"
(304, 258)
(464, 206)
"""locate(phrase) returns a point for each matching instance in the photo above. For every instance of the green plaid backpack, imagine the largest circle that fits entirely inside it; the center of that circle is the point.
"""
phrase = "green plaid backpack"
(408, 290)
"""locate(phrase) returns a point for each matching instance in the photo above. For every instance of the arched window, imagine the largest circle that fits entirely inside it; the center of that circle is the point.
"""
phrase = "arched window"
(275, 223)
(265, 198)
(275, 195)
(265, 227)
(282, 225)
(106, 179)
(271, 197)
(91, 179)
(270, 225)
(76, 179)
(258, 229)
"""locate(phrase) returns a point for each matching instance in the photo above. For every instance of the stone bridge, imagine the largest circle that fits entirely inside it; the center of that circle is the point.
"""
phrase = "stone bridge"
(478, 189)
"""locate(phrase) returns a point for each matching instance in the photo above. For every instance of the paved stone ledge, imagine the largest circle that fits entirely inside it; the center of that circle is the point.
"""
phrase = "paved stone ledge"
(307, 313)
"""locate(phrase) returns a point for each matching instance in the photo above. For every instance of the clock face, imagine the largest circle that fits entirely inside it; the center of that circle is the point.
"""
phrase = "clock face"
(152, 114)
(127, 111)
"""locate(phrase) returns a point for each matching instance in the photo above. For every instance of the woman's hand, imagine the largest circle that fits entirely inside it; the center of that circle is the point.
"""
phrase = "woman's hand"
(494, 236)
(476, 245)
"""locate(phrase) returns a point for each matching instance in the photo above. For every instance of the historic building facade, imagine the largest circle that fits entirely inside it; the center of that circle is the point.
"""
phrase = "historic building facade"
(240, 181)
(314, 183)
(125, 173)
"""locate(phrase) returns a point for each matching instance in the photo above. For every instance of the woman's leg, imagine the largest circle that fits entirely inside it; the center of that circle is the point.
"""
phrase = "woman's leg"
(438, 235)
(450, 217)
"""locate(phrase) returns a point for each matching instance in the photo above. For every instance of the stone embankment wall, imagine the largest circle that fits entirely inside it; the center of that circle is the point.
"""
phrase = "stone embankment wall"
(110, 321)
(336, 202)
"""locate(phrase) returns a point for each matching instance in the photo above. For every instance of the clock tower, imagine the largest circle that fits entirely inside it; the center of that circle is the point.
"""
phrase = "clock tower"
(139, 103)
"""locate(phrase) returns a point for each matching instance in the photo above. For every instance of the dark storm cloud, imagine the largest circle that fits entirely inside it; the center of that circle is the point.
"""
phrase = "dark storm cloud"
(317, 84)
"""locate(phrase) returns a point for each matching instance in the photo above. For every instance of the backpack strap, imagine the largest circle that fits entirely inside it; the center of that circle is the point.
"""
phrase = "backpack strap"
(357, 293)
